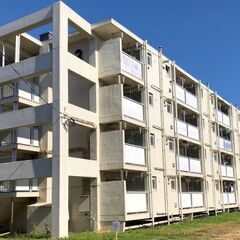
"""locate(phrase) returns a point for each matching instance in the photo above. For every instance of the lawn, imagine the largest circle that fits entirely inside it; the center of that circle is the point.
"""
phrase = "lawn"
(224, 226)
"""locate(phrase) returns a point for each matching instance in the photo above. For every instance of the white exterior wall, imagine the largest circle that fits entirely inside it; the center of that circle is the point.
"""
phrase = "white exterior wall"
(110, 70)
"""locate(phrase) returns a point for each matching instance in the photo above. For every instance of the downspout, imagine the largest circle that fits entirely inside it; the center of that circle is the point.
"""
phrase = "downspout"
(234, 158)
(160, 60)
(202, 148)
(211, 148)
(148, 154)
(219, 154)
(177, 141)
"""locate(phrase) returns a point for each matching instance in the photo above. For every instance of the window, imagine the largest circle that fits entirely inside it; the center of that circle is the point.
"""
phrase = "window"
(172, 184)
(154, 183)
(171, 145)
(213, 100)
(150, 97)
(149, 59)
(215, 156)
(213, 127)
(152, 139)
(167, 68)
(203, 122)
(169, 107)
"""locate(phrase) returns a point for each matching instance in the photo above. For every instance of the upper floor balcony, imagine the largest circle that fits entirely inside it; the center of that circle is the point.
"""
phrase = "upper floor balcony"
(189, 159)
(121, 103)
(192, 195)
(26, 92)
(122, 149)
(115, 59)
(20, 188)
(226, 165)
(229, 192)
(225, 136)
(186, 91)
(187, 124)
(25, 136)
(223, 113)
(132, 195)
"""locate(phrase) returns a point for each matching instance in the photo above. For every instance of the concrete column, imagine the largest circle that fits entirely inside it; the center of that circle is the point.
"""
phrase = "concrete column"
(60, 215)
(3, 55)
(17, 48)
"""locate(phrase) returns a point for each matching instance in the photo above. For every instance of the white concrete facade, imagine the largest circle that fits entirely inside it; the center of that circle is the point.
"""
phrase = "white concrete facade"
(98, 126)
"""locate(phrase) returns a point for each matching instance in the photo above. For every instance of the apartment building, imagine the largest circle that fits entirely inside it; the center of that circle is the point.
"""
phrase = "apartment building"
(97, 126)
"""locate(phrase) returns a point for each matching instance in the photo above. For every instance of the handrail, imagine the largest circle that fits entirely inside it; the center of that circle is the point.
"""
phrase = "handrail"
(197, 159)
(132, 145)
(132, 100)
(132, 57)
(188, 123)
(187, 90)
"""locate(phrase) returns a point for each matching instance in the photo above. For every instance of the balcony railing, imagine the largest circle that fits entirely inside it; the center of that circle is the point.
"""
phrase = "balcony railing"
(188, 130)
(134, 154)
(186, 97)
(223, 118)
(192, 199)
(28, 91)
(225, 144)
(23, 185)
(28, 136)
(190, 164)
(131, 65)
(227, 171)
(132, 109)
(229, 198)
(5, 139)
(26, 185)
(136, 202)
(5, 186)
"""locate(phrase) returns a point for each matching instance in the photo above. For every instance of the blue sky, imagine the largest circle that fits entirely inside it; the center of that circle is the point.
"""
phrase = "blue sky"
(202, 36)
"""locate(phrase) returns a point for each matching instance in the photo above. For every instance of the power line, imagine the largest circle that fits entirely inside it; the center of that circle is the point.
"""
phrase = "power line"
(70, 122)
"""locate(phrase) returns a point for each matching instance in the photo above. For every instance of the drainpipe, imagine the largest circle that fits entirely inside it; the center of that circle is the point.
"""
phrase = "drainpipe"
(160, 60)
(177, 141)
(219, 153)
(211, 149)
(234, 158)
(202, 149)
(148, 154)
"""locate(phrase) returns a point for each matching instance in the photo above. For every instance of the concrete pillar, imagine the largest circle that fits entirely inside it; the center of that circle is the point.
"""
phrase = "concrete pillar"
(60, 215)
(3, 55)
(17, 48)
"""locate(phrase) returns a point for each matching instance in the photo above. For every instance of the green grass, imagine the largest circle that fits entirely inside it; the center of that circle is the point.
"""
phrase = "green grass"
(212, 227)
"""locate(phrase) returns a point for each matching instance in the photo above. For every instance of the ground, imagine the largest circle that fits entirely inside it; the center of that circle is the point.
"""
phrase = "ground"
(222, 227)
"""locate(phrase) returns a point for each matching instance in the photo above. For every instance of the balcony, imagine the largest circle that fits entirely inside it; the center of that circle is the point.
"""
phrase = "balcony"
(225, 144)
(134, 154)
(188, 164)
(188, 130)
(114, 106)
(136, 202)
(131, 66)
(25, 89)
(186, 97)
(229, 198)
(115, 61)
(25, 135)
(132, 109)
(223, 118)
(192, 199)
(23, 185)
(227, 171)
(118, 152)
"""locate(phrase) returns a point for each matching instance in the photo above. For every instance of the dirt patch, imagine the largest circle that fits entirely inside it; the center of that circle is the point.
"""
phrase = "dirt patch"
(227, 231)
